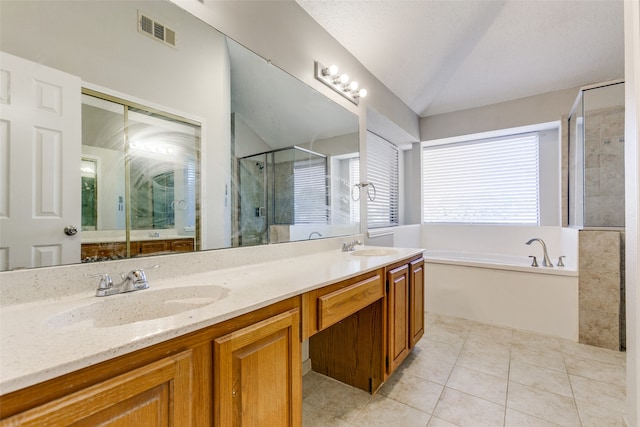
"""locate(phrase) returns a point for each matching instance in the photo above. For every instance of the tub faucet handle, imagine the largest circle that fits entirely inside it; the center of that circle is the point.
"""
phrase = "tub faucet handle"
(560, 262)
(534, 263)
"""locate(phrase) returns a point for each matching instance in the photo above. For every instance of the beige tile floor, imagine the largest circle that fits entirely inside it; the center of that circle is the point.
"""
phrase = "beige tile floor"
(464, 373)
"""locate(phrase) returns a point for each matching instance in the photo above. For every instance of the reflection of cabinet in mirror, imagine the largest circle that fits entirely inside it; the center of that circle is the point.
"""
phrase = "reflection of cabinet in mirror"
(142, 198)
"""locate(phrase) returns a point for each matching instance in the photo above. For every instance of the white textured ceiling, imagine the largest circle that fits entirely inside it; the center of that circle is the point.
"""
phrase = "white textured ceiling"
(446, 55)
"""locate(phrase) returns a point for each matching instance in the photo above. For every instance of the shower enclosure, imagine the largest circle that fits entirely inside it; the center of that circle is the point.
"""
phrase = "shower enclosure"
(596, 207)
(279, 189)
(596, 157)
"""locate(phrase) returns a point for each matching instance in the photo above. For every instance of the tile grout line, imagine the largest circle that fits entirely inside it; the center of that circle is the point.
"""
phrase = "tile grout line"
(566, 368)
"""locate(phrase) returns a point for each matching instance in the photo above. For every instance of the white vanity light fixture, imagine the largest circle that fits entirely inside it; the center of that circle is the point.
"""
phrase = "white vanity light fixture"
(339, 82)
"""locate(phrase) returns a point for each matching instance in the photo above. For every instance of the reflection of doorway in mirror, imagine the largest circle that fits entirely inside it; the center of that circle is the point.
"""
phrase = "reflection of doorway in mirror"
(147, 168)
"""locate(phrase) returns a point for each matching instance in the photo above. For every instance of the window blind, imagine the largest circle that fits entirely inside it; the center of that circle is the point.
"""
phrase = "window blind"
(310, 191)
(190, 184)
(382, 171)
(488, 181)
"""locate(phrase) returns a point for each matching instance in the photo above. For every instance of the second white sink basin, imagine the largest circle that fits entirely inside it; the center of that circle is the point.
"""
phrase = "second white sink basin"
(122, 309)
(374, 252)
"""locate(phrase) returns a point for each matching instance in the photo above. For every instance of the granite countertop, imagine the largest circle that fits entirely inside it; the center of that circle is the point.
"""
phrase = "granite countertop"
(36, 346)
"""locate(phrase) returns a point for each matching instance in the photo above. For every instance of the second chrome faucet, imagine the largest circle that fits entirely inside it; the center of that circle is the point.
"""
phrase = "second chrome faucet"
(546, 262)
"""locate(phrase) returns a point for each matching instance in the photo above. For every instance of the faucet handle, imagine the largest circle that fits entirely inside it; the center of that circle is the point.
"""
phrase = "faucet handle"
(106, 281)
(534, 263)
(138, 272)
(560, 262)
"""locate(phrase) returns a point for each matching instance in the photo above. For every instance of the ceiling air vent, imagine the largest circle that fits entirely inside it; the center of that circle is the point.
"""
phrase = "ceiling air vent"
(156, 30)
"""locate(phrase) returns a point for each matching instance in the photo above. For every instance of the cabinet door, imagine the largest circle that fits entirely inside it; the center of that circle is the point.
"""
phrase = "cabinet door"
(257, 374)
(152, 247)
(182, 245)
(416, 302)
(398, 316)
(158, 394)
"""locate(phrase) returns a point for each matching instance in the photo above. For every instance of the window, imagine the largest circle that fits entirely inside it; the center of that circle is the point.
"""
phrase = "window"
(382, 171)
(492, 181)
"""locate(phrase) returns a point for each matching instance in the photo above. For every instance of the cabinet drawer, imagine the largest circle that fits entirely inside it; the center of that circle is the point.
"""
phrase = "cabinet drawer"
(342, 303)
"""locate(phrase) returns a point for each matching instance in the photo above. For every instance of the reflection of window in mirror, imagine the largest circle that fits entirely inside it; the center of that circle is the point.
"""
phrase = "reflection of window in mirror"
(310, 189)
(345, 174)
(89, 174)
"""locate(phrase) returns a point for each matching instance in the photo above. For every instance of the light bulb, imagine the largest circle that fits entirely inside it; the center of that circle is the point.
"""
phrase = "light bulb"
(331, 70)
(353, 86)
(362, 93)
(344, 79)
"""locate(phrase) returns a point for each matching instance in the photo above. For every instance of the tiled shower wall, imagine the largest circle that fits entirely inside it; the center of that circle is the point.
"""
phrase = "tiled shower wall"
(600, 281)
(604, 167)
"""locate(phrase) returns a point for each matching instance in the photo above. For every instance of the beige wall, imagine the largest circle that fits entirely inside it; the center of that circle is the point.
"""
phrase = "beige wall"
(284, 33)
(632, 182)
(543, 108)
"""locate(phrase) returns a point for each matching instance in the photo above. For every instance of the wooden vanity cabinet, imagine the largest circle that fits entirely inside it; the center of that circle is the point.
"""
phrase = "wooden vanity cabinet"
(345, 322)
(157, 394)
(398, 316)
(405, 310)
(244, 371)
(258, 374)
(416, 308)
(373, 322)
(141, 247)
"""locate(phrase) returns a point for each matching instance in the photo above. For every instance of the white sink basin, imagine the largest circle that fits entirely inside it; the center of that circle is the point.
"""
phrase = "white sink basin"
(122, 309)
(374, 252)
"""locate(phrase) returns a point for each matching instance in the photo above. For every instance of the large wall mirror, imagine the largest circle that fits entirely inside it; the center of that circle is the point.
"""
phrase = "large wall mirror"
(171, 138)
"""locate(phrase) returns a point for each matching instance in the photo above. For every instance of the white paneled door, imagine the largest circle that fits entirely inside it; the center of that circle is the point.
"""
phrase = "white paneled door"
(40, 153)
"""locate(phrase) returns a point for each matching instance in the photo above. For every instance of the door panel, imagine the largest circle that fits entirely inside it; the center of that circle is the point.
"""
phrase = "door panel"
(257, 374)
(398, 316)
(40, 138)
(416, 315)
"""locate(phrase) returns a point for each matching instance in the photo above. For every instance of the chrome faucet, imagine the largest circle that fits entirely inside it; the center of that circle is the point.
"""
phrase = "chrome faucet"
(546, 262)
(135, 280)
(350, 246)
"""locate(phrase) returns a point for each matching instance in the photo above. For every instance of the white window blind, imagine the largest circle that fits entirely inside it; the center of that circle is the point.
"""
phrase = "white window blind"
(310, 191)
(487, 182)
(190, 193)
(382, 171)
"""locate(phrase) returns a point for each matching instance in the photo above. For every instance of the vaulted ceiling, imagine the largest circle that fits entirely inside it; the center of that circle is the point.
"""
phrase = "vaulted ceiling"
(440, 56)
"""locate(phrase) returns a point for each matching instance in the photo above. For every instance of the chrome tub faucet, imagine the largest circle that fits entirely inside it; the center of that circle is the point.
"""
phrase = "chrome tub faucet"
(546, 262)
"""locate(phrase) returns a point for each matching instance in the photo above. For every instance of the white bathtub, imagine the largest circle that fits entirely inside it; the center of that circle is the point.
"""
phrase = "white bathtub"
(503, 290)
